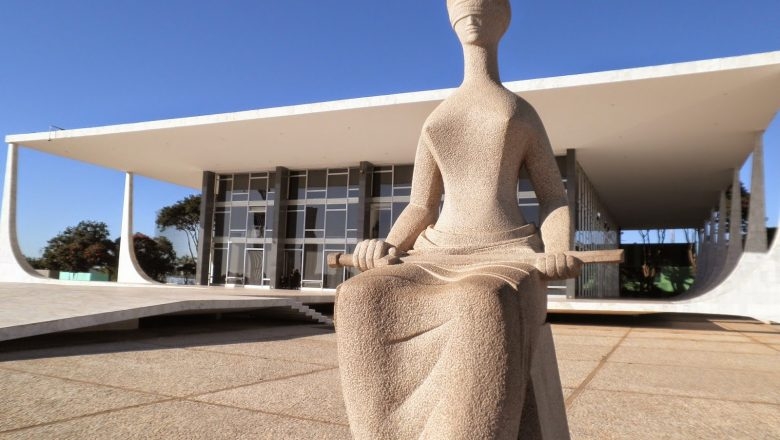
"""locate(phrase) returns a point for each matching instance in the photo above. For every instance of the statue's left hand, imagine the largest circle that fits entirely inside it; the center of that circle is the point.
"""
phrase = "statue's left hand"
(558, 266)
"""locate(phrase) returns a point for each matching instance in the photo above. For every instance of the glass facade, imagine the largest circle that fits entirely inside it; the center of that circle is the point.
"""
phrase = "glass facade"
(321, 214)
(242, 234)
(321, 217)
(595, 230)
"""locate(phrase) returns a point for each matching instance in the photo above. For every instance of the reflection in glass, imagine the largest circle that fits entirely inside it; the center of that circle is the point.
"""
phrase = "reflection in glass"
(380, 220)
(236, 264)
(254, 267)
(312, 263)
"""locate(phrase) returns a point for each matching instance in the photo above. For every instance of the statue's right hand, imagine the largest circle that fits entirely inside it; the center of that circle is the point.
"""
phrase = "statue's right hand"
(373, 253)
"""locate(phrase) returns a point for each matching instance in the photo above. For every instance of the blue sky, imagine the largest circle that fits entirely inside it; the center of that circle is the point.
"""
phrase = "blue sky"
(89, 63)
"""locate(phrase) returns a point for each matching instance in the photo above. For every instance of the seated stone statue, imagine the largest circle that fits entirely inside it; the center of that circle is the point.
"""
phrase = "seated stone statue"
(440, 345)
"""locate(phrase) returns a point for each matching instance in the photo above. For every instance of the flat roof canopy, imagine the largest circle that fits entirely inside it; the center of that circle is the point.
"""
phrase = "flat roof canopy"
(658, 143)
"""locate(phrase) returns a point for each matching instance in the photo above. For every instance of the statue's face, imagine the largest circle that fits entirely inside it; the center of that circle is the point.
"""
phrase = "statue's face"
(479, 22)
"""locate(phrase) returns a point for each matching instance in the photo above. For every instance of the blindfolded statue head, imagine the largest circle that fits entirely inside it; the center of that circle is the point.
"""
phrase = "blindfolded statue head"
(479, 22)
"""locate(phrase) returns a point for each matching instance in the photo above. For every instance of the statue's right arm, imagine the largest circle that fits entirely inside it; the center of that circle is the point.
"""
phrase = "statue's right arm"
(422, 211)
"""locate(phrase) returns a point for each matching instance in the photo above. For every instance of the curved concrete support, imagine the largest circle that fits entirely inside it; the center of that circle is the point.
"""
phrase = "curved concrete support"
(128, 270)
(756, 237)
(13, 264)
(735, 225)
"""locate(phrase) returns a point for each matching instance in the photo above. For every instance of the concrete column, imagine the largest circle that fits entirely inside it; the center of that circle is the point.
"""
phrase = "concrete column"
(572, 189)
(364, 200)
(206, 228)
(13, 264)
(756, 236)
(721, 237)
(129, 271)
(735, 223)
(279, 224)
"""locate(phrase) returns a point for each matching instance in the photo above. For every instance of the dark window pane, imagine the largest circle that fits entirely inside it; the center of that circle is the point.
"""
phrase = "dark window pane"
(531, 213)
(257, 189)
(315, 217)
(337, 186)
(224, 189)
(271, 183)
(297, 187)
(352, 216)
(316, 180)
(312, 262)
(291, 269)
(333, 277)
(525, 185)
(294, 224)
(380, 222)
(315, 194)
(269, 215)
(256, 227)
(398, 207)
(402, 175)
(238, 218)
(382, 185)
(402, 191)
(336, 224)
(241, 182)
(221, 224)
(219, 268)
(354, 177)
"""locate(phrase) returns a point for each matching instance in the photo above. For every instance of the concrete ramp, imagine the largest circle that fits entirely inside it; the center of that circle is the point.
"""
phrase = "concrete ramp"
(35, 309)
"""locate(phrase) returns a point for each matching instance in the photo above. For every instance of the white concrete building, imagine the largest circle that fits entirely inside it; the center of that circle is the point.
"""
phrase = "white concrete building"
(651, 147)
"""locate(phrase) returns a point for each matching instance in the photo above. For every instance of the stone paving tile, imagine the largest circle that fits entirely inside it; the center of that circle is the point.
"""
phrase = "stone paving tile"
(608, 415)
(574, 352)
(315, 396)
(581, 330)
(15, 350)
(297, 350)
(610, 341)
(27, 399)
(695, 358)
(753, 386)
(184, 420)
(681, 344)
(767, 338)
(749, 326)
(574, 372)
(172, 372)
(276, 333)
(692, 335)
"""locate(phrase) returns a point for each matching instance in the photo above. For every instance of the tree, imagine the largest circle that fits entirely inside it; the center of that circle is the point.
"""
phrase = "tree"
(183, 215)
(155, 255)
(80, 248)
(36, 263)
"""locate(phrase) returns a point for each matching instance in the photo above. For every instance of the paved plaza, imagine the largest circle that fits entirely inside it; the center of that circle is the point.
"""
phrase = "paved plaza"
(647, 377)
